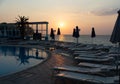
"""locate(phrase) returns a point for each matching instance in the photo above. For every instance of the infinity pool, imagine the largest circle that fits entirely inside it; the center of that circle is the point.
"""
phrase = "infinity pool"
(15, 59)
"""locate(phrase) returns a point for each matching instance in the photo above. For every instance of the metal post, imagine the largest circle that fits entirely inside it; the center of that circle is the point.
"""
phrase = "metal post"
(36, 28)
(46, 38)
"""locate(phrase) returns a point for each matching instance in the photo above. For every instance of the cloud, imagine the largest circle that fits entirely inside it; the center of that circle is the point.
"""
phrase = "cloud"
(105, 12)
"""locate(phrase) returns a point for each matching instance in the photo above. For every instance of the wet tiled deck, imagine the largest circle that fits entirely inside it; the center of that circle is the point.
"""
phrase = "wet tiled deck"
(41, 74)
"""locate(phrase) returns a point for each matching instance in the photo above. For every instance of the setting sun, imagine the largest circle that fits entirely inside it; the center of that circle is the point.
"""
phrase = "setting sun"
(61, 24)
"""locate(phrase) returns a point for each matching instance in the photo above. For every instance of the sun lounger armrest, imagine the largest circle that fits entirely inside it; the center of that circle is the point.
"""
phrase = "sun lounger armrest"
(94, 81)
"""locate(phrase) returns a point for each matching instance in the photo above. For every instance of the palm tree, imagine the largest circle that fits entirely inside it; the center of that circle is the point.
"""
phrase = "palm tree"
(22, 23)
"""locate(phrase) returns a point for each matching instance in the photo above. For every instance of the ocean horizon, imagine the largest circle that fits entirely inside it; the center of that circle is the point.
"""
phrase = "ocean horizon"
(99, 39)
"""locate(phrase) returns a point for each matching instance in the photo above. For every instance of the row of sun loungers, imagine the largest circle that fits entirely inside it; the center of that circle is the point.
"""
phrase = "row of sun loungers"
(95, 65)
(88, 70)
(94, 60)
(90, 79)
(77, 73)
(101, 66)
(74, 69)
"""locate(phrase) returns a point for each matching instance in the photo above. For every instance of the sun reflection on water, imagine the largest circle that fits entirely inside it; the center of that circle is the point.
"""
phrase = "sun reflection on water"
(61, 38)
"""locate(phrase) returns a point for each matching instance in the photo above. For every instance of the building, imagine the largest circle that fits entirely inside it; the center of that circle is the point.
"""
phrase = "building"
(10, 30)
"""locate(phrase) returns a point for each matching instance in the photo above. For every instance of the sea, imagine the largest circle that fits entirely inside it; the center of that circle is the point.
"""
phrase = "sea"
(86, 39)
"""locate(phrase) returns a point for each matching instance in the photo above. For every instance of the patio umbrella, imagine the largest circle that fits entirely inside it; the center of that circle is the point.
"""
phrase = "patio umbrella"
(93, 35)
(52, 35)
(58, 33)
(73, 35)
(73, 32)
(115, 38)
(77, 35)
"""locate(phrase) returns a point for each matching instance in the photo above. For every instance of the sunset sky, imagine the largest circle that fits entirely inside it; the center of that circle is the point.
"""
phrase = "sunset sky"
(66, 14)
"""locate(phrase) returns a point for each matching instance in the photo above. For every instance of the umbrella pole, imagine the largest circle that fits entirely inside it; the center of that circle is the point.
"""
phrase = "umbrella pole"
(58, 37)
(77, 40)
(116, 61)
(92, 40)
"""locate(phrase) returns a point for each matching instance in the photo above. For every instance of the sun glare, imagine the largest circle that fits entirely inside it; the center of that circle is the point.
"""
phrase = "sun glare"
(61, 24)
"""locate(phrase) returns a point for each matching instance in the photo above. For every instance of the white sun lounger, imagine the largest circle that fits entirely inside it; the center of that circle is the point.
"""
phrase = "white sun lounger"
(87, 78)
(93, 65)
(82, 49)
(93, 56)
(90, 69)
(90, 52)
(77, 51)
(96, 60)
(79, 70)
(83, 52)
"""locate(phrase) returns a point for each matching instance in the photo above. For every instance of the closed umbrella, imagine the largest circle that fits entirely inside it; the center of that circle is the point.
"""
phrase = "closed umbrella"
(77, 35)
(52, 35)
(73, 35)
(58, 33)
(115, 38)
(73, 32)
(93, 35)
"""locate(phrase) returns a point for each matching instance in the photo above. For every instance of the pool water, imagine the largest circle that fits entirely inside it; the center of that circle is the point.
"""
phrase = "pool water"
(15, 59)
